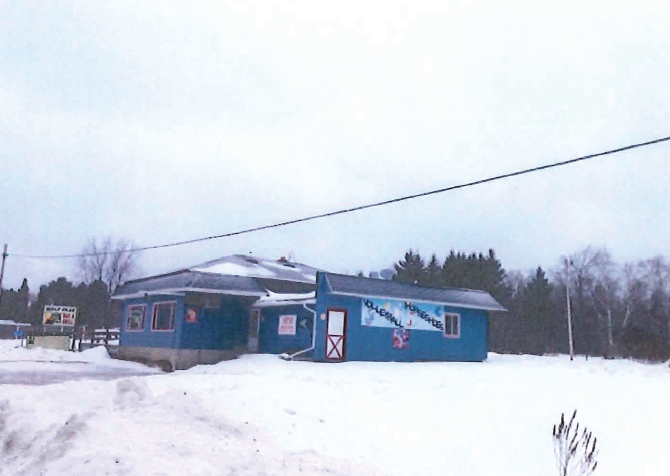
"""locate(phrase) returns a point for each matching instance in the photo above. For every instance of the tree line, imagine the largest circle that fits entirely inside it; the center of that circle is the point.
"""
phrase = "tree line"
(91, 300)
(102, 265)
(616, 310)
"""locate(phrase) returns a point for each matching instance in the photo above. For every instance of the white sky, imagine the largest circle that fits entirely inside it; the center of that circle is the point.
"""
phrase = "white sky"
(166, 121)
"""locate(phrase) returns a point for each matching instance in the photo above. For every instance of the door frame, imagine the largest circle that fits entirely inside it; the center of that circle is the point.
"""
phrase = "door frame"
(256, 316)
(343, 336)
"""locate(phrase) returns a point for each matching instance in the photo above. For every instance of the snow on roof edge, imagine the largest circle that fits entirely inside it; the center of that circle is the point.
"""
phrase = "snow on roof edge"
(279, 299)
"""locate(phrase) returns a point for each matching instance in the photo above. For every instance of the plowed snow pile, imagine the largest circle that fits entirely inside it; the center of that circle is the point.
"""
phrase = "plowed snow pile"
(259, 415)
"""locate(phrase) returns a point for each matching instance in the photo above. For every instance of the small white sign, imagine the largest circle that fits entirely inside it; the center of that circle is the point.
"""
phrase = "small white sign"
(287, 325)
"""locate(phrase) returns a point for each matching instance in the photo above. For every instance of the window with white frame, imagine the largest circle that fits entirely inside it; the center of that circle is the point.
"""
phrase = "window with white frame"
(135, 317)
(163, 316)
(452, 324)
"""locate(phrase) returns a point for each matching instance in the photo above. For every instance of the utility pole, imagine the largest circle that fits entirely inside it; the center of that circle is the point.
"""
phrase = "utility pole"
(567, 296)
(2, 269)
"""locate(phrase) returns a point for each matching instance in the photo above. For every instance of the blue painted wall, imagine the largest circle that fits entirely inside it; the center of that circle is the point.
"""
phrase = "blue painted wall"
(216, 328)
(147, 337)
(376, 343)
(270, 342)
(207, 333)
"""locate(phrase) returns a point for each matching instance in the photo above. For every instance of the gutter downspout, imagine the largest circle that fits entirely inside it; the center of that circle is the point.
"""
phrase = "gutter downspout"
(291, 356)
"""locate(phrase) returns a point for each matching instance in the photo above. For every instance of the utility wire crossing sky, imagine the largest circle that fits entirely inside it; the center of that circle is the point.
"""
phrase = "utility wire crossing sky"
(166, 123)
(363, 207)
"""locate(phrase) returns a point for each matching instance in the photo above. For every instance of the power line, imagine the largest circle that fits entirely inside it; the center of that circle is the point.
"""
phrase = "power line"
(363, 207)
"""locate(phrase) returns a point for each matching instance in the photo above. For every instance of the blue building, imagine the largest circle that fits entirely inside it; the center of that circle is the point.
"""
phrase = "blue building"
(283, 324)
(379, 320)
(240, 304)
(202, 314)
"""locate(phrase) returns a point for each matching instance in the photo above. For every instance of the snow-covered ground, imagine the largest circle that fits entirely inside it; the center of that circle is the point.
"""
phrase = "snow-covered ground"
(39, 366)
(259, 415)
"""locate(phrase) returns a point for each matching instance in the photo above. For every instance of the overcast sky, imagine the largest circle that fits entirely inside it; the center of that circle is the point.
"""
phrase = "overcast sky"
(171, 120)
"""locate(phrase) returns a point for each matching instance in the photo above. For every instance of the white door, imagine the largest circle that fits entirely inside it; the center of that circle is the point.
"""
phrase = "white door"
(335, 334)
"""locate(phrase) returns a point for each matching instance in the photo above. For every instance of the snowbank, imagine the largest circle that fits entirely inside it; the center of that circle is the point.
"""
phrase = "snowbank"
(261, 415)
(15, 358)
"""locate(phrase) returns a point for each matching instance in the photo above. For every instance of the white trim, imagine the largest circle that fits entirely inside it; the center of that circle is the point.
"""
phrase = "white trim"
(272, 278)
(441, 303)
(313, 311)
(183, 291)
(222, 291)
(261, 304)
(457, 335)
(144, 317)
(174, 316)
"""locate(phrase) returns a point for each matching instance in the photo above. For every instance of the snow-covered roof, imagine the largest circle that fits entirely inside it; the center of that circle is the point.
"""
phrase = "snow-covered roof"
(381, 288)
(285, 299)
(239, 275)
(257, 267)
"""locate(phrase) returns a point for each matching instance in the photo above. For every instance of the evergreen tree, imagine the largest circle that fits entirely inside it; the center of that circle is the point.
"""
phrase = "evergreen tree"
(60, 292)
(433, 272)
(23, 298)
(536, 314)
(475, 271)
(9, 308)
(14, 304)
(411, 270)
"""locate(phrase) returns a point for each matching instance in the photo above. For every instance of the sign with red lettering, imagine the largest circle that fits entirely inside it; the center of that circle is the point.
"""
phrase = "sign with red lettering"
(287, 325)
(59, 316)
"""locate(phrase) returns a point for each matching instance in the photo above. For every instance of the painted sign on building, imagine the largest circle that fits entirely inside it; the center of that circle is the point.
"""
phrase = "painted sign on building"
(287, 325)
(401, 338)
(191, 314)
(402, 314)
(59, 315)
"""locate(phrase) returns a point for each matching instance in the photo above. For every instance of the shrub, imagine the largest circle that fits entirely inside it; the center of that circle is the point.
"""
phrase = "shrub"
(576, 453)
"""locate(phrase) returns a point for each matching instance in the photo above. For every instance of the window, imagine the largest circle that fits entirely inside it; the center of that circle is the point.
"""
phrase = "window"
(135, 317)
(163, 319)
(452, 324)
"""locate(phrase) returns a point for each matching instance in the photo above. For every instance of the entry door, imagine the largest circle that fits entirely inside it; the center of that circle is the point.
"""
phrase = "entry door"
(254, 325)
(335, 334)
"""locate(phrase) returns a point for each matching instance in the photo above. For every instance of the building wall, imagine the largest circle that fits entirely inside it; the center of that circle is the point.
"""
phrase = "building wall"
(208, 332)
(221, 323)
(225, 326)
(269, 339)
(174, 359)
(376, 343)
(148, 337)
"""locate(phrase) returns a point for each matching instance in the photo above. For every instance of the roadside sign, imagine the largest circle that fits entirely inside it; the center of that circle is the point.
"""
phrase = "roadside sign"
(59, 315)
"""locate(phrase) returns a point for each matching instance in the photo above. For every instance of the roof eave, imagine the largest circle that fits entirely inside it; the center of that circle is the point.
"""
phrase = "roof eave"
(442, 303)
(284, 303)
(183, 291)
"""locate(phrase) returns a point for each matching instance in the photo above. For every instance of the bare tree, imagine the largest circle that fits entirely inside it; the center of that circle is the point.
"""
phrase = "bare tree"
(604, 289)
(578, 276)
(516, 281)
(594, 283)
(576, 454)
(107, 260)
(657, 273)
(635, 290)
